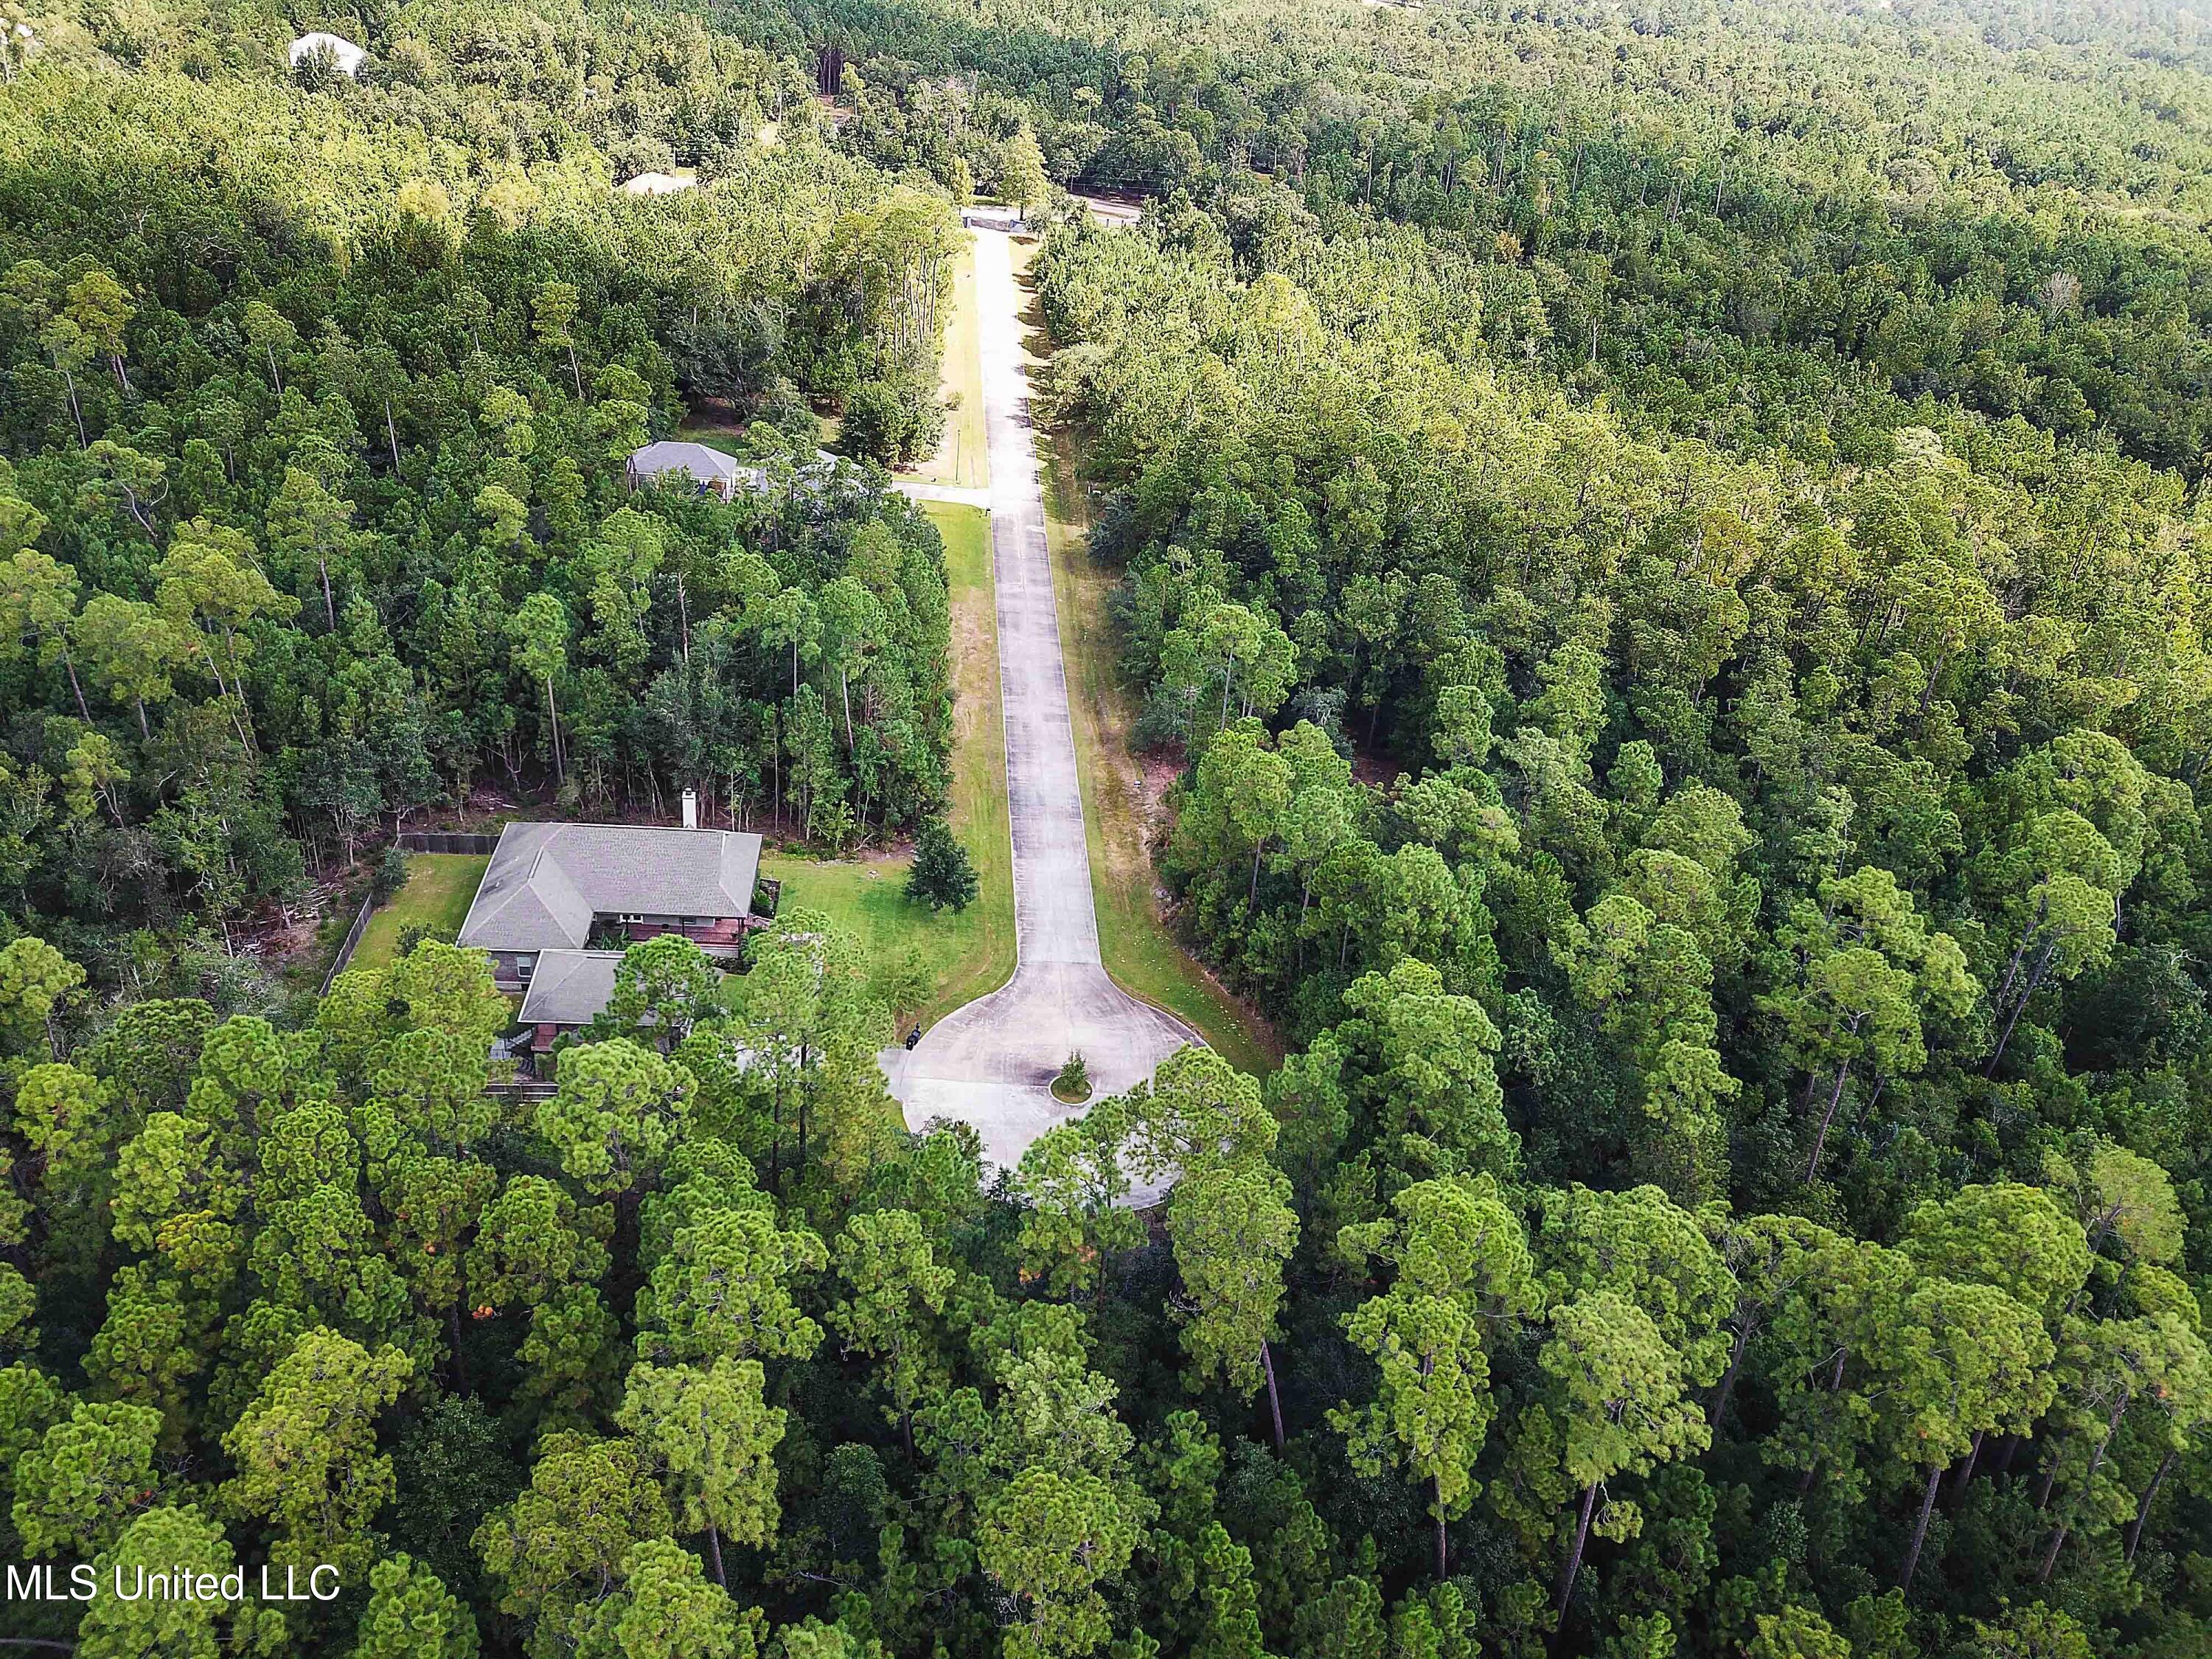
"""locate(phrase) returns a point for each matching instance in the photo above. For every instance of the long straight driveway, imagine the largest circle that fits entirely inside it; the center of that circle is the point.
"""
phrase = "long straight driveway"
(992, 1062)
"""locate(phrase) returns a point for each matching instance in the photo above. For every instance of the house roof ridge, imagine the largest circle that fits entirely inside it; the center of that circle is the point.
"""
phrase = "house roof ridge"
(574, 871)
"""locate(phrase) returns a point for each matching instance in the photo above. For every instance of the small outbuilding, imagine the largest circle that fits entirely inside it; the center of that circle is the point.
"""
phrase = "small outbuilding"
(707, 468)
(656, 184)
(344, 56)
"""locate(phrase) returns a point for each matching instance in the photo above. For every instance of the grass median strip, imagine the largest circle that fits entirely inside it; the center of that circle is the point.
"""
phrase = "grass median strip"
(963, 455)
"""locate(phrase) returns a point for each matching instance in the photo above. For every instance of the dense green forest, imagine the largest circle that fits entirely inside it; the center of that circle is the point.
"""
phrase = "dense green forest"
(1997, 205)
(318, 402)
(1661, 542)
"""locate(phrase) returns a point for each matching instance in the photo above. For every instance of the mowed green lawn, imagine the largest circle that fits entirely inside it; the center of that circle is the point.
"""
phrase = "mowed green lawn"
(980, 817)
(972, 952)
(728, 436)
(961, 457)
(439, 887)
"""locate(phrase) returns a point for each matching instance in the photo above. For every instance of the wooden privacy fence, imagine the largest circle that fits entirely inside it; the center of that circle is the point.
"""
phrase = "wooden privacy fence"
(523, 1089)
(440, 841)
(412, 840)
(352, 942)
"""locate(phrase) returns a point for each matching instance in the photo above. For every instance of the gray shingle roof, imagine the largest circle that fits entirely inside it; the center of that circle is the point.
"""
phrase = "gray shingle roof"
(535, 901)
(547, 881)
(707, 466)
(569, 987)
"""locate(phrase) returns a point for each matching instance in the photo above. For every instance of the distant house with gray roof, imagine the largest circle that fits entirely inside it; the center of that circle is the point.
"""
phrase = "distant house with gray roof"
(707, 469)
(551, 890)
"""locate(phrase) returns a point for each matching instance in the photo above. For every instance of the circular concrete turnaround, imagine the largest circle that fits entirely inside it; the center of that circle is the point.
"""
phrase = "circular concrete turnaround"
(992, 1062)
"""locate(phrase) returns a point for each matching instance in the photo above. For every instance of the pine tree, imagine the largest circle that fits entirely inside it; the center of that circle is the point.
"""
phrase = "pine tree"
(941, 875)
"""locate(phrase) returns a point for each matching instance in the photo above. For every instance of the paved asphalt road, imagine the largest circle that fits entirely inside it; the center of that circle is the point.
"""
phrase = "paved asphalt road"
(992, 1062)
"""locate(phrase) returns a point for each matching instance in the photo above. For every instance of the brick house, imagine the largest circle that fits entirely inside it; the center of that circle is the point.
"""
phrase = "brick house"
(574, 888)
